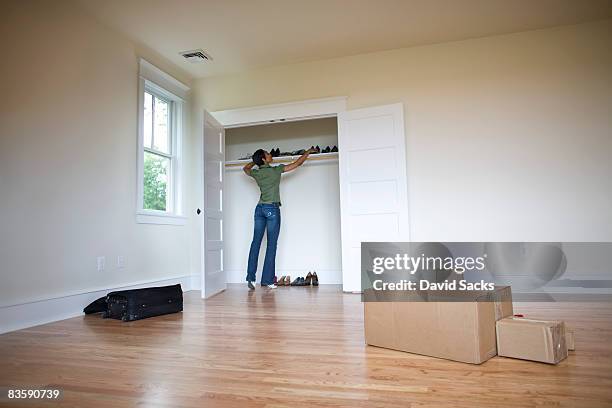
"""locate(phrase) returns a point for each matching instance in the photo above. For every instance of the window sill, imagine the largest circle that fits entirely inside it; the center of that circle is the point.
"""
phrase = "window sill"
(158, 217)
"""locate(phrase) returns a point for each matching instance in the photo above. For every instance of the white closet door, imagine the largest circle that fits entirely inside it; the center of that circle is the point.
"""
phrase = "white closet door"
(213, 274)
(373, 186)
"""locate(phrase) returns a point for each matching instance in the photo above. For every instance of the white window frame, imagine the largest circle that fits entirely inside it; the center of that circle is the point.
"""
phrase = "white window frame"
(158, 83)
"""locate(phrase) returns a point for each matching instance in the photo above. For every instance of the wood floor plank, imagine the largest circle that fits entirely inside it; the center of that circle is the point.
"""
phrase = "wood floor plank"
(291, 347)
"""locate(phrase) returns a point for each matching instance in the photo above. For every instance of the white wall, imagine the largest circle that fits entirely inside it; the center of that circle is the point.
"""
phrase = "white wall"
(508, 138)
(310, 227)
(68, 123)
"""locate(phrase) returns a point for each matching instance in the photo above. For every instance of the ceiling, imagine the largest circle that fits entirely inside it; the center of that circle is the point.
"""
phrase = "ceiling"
(244, 35)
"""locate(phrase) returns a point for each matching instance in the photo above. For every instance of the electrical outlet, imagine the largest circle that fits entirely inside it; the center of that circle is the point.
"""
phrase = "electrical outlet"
(120, 262)
(100, 261)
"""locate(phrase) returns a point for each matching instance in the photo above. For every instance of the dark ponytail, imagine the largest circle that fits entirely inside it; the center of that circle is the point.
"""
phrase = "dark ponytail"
(258, 157)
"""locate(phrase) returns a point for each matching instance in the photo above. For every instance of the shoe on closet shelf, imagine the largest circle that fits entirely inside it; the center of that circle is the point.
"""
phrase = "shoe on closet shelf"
(251, 286)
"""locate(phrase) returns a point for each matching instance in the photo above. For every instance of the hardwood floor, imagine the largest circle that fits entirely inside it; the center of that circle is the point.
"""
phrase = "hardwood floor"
(291, 347)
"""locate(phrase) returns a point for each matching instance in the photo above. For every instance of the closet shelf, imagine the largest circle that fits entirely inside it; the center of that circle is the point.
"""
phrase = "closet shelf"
(287, 159)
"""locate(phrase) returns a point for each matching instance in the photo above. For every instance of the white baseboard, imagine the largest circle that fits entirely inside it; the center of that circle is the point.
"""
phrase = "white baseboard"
(41, 311)
(196, 282)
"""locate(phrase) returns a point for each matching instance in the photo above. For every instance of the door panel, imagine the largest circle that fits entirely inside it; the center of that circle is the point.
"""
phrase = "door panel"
(373, 197)
(375, 227)
(213, 274)
(214, 228)
(214, 261)
(373, 183)
(213, 197)
(362, 168)
(374, 130)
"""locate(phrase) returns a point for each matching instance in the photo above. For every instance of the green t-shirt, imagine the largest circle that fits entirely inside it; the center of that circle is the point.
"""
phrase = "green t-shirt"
(268, 179)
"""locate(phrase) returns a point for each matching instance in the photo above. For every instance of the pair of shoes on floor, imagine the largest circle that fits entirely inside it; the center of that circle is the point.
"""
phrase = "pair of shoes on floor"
(275, 152)
(284, 281)
(311, 279)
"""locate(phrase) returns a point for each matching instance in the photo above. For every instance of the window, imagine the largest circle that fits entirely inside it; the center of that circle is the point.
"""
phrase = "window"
(158, 153)
(159, 148)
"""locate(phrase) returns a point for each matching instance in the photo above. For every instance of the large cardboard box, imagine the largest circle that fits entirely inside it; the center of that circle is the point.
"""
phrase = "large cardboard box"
(528, 339)
(569, 339)
(461, 331)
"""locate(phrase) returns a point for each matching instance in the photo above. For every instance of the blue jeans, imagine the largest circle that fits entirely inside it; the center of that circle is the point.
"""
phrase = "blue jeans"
(267, 216)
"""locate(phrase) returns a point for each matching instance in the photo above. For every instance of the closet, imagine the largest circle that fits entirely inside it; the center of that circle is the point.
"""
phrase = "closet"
(330, 205)
(310, 213)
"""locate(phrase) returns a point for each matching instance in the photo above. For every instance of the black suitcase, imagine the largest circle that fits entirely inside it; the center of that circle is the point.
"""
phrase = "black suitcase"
(97, 306)
(136, 304)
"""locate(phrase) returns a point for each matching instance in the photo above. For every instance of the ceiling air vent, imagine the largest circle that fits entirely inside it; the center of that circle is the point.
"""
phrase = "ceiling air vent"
(196, 56)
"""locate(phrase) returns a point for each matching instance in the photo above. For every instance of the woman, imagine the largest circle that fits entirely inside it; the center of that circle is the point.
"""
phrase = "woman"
(267, 212)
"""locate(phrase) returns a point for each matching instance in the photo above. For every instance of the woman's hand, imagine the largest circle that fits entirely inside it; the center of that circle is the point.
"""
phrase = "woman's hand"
(299, 161)
(247, 168)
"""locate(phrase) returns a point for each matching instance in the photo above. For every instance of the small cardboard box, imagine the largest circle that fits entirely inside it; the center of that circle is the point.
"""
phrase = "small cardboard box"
(461, 331)
(528, 339)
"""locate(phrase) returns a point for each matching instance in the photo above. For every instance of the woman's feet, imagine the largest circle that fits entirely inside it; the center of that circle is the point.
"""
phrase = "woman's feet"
(252, 286)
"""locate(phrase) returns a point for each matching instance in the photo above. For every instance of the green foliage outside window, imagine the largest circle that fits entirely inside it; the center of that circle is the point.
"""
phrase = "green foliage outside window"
(155, 182)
